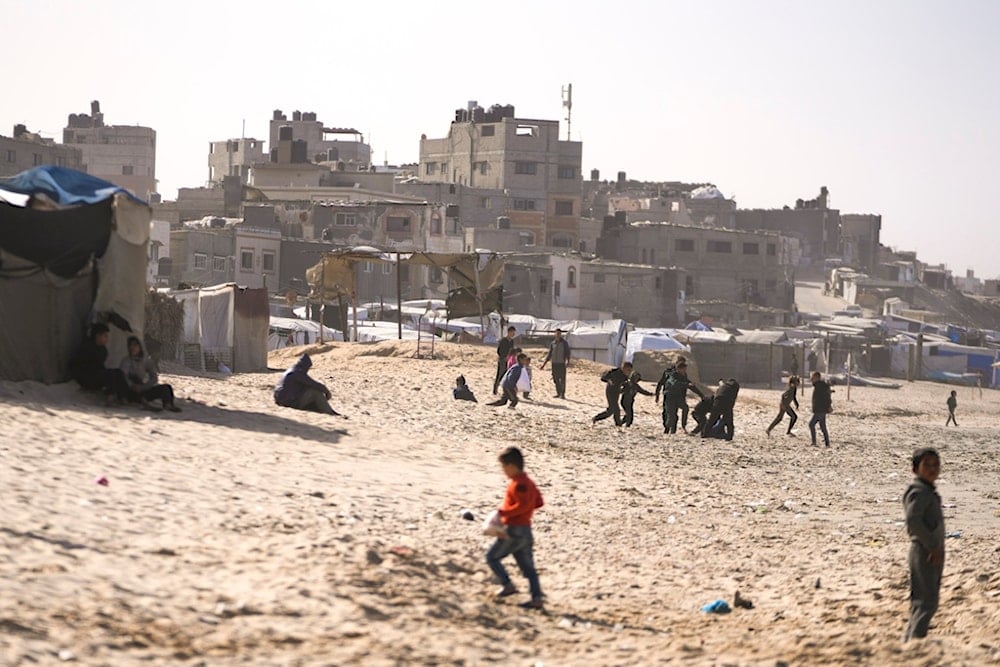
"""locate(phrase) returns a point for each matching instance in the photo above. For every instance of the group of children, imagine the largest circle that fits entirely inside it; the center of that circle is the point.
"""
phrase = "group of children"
(135, 380)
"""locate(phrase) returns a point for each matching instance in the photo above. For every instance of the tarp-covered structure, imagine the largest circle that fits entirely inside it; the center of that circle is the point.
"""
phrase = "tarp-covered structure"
(224, 324)
(73, 250)
(476, 278)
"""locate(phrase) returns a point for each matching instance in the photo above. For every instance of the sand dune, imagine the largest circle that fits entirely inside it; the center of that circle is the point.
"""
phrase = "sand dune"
(237, 532)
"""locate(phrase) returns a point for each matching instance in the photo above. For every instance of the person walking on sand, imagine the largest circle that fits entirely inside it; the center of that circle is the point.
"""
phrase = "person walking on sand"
(559, 354)
(297, 390)
(520, 501)
(925, 526)
(787, 398)
(614, 381)
(952, 404)
(143, 380)
(504, 347)
(629, 390)
(822, 405)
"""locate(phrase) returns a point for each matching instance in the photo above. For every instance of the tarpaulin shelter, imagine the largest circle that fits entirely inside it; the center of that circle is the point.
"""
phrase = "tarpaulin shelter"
(476, 278)
(73, 249)
(225, 324)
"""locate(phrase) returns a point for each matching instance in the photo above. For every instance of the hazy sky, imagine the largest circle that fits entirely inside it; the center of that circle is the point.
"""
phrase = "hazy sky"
(893, 105)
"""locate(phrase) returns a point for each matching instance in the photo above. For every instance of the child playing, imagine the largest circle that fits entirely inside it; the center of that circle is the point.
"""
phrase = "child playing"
(519, 503)
(787, 398)
(952, 404)
(461, 392)
(925, 525)
(629, 391)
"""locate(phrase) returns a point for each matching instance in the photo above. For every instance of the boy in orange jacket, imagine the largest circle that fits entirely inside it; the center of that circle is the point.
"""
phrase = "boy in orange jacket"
(519, 503)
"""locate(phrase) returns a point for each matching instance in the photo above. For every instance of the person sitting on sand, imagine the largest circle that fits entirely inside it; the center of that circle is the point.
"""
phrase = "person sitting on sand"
(143, 380)
(461, 392)
(88, 369)
(297, 390)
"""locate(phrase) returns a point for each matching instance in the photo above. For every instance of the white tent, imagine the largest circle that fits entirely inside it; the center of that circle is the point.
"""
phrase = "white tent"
(651, 339)
(224, 324)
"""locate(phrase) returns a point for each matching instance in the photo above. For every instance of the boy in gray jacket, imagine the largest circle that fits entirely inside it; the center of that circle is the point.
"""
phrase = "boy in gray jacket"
(925, 525)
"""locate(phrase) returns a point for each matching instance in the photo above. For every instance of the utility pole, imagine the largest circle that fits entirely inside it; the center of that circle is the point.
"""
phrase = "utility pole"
(567, 101)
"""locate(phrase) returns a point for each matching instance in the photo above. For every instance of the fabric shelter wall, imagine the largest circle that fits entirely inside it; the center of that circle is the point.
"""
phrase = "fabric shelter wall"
(250, 328)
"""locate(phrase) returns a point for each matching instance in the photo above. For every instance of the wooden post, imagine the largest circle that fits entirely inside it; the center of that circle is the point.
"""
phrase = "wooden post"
(849, 375)
(399, 298)
(770, 366)
(322, 302)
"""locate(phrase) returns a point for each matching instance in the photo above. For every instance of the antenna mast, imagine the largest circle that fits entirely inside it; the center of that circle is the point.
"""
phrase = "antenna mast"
(567, 101)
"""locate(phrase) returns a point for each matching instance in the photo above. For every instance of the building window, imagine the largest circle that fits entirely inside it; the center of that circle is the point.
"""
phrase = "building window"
(246, 260)
(526, 168)
(219, 263)
(435, 225)
(658, 282)
(689, 286)
(367, 266)
(543, 285)
(36, 159)
(684, 245)
(481, 167)
(200, 260)
(430, 167)
(524, 204)
(11, 155)
(268, 261)
(562, 241)
(557, 289)
(564, 207)
(772, 249)
(397, 223)
(526, 238)
(127, 170)
(571, 277)
(526, 131)
(720, 246)
(487, 130)
(598, 277)
(751, 248)
(386, 268)
(344, 220)
(486, 202)
(444, 168)
(652, 255)
(567, 172)
(437, 275)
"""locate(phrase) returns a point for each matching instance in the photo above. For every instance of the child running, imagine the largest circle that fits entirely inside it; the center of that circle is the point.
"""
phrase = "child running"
(952, 404)
(787, 398)
(519, 503)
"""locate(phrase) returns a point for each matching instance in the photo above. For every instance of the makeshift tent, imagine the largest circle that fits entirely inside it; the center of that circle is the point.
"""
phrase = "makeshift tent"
(651, 339)
(289, 331)
(73, 249)
(224, 324)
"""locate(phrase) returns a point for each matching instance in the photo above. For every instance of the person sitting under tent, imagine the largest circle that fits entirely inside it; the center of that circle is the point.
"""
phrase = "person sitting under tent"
(143, 380)
(297, 390)
(88, 369)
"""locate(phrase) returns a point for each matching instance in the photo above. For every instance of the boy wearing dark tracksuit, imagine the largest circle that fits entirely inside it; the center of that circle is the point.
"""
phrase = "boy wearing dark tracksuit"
(925, 526)
(614, 381)
(629, 391)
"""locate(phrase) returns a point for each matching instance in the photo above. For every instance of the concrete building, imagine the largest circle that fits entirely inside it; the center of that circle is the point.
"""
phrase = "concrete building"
(122, 154)
(27, 149)
(222, 200)
(812, 222)
(569, 287)
(860, 237)
(258, 256)
(233, 157)
(351, 154)
(158, 273)
(203, 254)
(723, 264)
(538, 172)
(472, 207)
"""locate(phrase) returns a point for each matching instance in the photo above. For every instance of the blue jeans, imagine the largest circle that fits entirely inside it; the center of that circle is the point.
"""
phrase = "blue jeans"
(518, 542)
(819, 418)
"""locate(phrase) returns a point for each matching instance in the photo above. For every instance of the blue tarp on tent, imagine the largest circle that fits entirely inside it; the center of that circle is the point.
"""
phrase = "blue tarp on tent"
(66, 187)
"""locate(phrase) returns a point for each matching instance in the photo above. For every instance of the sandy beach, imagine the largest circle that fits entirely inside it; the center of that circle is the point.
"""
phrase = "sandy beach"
(238, 532)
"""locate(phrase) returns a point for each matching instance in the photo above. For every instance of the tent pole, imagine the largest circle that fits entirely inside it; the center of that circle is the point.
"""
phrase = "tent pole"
(322, 302)
(354, 299)
(399, 299)
(479, 299)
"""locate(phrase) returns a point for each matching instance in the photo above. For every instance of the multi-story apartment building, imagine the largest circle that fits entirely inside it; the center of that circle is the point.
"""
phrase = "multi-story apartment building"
(233, 157)
(725, 264)
(27, 149)
(349, 154)
(122, 154)
(813, 222)
(538, 173)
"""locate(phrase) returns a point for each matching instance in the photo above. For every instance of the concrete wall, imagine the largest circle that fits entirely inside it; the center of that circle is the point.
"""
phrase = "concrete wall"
(216, 245)
(122, 154)
(233, 158)
(159, 249)
(17, 155)
(257, 257)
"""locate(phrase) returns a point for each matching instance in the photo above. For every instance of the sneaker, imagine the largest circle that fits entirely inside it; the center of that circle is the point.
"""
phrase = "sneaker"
(533, 604)
(506, 591)
(172, 408)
